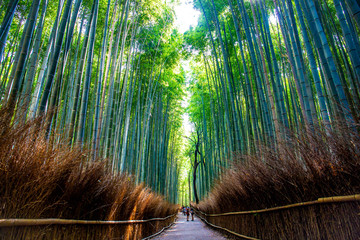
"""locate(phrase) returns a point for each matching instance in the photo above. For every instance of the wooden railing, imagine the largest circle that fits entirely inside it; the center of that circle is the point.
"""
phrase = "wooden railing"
(209, 218)
(55, 221)
(16, 223)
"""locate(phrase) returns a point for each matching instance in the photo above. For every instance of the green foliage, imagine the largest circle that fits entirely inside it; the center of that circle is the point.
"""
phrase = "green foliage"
(122, 100)
(255, 77)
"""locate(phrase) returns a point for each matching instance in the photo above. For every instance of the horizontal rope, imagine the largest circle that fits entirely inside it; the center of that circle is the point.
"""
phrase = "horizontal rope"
(56, 221)
(337, 199)
(154, 235)
(227, 230)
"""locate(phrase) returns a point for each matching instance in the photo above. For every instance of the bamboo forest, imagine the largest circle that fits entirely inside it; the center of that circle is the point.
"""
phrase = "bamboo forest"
(119, 119)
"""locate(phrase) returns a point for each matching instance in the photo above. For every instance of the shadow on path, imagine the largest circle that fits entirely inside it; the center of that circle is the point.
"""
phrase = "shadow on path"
(191, 230)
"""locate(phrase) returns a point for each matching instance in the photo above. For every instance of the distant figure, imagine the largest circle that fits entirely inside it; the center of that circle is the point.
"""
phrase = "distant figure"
(187, 213)
(184, 211)
(192, 214)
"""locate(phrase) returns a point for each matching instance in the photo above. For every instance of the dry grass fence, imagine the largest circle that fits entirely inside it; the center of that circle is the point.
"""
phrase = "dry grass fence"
(40, 181)
(308, 167)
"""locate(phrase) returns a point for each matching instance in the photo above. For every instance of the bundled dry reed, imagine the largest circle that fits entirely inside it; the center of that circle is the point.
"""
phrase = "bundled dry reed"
(39, 180)
(305, 168)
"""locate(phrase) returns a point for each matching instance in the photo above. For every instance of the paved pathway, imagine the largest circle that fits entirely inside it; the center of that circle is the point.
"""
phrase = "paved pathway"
(191, 230)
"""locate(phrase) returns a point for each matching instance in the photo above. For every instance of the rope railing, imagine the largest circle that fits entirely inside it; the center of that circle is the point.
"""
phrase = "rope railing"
(158, 233)
(225, 229)
(55, 221)
(336, 199)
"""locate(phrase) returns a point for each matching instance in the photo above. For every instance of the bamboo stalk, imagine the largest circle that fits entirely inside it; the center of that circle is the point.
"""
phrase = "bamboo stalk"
(335, 199)
(56, 221)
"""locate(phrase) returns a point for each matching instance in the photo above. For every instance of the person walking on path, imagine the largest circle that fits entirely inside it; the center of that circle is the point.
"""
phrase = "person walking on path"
(187, 213)
(192, 214)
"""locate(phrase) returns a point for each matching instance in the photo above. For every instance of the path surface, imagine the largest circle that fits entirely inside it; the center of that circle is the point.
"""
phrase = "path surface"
(191, 230)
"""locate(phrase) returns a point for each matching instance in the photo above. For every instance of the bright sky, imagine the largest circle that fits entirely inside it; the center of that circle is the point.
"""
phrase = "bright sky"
(186, 121)
(186, 15)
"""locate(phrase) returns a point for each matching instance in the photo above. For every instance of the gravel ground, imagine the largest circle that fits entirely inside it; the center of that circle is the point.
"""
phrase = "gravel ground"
(191, 230)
